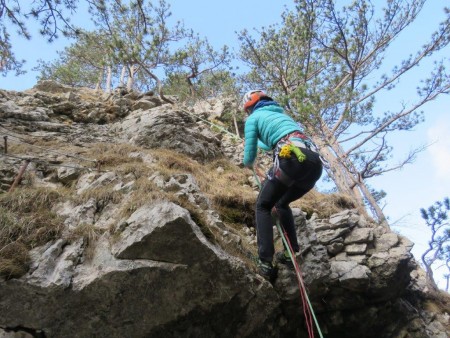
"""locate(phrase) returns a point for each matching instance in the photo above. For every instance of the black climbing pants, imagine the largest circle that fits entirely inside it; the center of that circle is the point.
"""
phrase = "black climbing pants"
(276, 194)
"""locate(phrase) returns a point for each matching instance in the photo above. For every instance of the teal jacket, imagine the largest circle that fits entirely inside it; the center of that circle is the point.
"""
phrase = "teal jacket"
(264, 128)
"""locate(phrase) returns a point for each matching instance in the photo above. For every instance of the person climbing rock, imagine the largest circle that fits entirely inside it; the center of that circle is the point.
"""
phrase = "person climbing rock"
(295, 170)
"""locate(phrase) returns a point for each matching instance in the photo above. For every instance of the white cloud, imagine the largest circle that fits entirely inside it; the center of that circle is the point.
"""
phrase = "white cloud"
(439, 136)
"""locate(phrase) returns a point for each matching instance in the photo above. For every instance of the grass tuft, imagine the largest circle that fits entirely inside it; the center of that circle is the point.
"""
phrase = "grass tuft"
(14, 260)
(26, 221)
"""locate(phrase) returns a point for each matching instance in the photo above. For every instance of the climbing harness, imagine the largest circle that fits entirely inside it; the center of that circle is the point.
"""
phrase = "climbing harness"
(288, 146)
(308, 310)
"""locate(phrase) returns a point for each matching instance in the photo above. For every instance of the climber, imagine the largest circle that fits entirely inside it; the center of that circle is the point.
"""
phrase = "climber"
(295, 170)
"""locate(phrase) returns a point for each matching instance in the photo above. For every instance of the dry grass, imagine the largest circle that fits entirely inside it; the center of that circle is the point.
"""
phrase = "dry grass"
(111, 155)
(229, 191)
(322, 204)
(171, 162)
(225, 189)
(137, 169)
(20, 148)
(102, 195)
(144, 191)
(26, 221)
(29, 200)
(14, 260)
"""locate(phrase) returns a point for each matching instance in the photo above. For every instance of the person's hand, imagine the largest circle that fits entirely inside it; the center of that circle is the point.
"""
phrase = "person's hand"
(260, 173)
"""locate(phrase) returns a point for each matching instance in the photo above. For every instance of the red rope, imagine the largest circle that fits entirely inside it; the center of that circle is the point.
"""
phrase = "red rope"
(301, 286)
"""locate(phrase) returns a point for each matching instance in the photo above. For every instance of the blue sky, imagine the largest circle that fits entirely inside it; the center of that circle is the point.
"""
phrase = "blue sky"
(415, 186)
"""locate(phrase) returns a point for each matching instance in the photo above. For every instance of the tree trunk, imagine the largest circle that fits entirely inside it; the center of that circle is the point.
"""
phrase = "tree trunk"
(158, 83)
(108, 79)
(131, 73)
(340, 176)
(122, 75)
(236, 126)
(373, 204)
(98, 86)
(345, 176)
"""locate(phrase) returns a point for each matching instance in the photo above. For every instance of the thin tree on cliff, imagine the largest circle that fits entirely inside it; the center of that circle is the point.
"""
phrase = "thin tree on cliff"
(135, 43)
(91, 62)
(201, 66)
(323, 61)
(142, 38)
(436, 217)
(84, 63)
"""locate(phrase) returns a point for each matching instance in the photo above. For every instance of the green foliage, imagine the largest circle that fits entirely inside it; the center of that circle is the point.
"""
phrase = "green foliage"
(204, 86)
(436, 218)
(80, 64)
(139, 35)
(133, 44)
(203, 68)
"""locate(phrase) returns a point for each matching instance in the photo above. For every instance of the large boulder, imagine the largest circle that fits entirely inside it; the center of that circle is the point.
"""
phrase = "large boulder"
(162, 127)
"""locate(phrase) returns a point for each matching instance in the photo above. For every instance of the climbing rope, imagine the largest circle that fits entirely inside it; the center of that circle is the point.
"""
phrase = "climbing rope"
(308, 310)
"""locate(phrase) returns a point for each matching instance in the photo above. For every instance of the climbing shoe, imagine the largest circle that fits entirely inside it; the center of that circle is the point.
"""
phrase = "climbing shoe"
(283, 257)
(266, 270)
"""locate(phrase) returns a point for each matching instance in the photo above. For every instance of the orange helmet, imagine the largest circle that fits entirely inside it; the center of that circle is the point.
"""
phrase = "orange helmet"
(251, 98)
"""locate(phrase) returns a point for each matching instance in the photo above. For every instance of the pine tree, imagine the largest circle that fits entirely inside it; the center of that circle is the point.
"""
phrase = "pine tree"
(436, 217)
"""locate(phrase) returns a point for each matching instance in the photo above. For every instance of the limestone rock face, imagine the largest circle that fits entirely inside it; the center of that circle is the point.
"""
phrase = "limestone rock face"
(150, 265)
(162, 127)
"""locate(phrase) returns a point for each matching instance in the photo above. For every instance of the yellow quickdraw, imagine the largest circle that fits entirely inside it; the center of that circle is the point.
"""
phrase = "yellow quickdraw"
(285, 152)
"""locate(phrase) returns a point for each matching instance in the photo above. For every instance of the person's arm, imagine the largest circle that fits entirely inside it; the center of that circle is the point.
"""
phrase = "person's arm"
(263, 146)
(251, 141)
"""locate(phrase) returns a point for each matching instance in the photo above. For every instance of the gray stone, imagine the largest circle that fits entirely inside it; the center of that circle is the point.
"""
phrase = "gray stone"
(326, 236)
(145, 268)
(54, 265)
(322, 227)
(335, 248)
(10, 109)
(15, 334)
(378, 259)
(77, 215)
(68, 174)
(356, 249)
(342, 256)
(93, 180)
(400, 253)
(360, 259)
(161, 128)
(386, 241)
(143, 105)
(340, 219)
(359, 235)
(350, 274)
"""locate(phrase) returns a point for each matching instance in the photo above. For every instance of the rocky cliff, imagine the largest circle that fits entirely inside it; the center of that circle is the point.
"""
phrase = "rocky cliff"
(133, 219)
